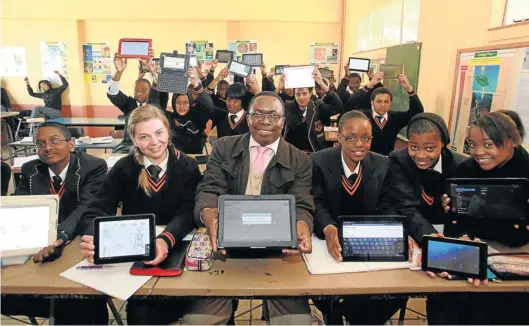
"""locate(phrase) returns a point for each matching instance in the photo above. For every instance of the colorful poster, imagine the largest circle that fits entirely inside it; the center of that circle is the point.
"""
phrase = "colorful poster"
(13, 61)
(203, 50)
(97, 63)
(324, 53)
(242, 47)
(53, 57)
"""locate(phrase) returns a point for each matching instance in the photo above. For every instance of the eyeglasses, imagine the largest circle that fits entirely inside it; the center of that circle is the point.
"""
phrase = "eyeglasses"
(54, 142)
(272, 117)
(353, 139)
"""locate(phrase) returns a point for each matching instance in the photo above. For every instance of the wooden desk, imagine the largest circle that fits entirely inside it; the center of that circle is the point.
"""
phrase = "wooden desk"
(44, 279)
(91, 122)
(8, 114)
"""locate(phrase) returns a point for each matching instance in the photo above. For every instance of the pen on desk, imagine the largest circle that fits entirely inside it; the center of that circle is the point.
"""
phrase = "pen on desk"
(94, 267)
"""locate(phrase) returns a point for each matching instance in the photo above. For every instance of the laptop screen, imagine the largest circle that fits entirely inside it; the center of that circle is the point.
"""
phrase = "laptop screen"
(369, 240)
(174, 63)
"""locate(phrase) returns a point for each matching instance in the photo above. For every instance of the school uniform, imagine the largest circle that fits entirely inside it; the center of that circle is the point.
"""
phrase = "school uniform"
(343, 89)
(6, 177)
(339, 191)
(81, 179)
(386, 127)
(172, 200)
(52, 100)
(229, 124)
(304, 126)
(268, 84)
(233, 169)
(127, 104)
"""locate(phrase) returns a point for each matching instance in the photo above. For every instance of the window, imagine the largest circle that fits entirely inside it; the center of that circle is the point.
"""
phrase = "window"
(516, 11)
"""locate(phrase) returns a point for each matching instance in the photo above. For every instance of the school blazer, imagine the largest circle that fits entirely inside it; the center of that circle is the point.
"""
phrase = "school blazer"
(83, 179)
(326, 184)
(319, 114)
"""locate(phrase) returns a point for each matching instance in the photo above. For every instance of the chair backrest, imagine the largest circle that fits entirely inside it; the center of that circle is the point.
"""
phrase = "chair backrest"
(77, 132)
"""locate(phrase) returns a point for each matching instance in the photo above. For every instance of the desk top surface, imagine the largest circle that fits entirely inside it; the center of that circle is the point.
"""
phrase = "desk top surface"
(8, 114)
(87, 122)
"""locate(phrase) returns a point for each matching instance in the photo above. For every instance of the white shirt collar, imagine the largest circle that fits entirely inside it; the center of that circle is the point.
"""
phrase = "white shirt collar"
(238, 114)
(375, 114)
(304, 110)
(346, 169)
(272, 146)
(62, 175)
(141, 104)
(350, 91)
(439, 165)
(163, 165)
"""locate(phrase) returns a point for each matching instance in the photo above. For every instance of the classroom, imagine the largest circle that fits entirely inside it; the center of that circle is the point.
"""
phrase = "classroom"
(269, 162)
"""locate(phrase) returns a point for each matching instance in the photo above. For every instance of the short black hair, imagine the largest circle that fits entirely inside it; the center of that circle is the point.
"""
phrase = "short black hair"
(517, 120)
(269, 94)
(423, 126)
(222, 82)
(238, 91)
(381, 90)
(143, 80)
(309, 88)
(356, 75)
(62, 128)
(499, 127)
(349, 116)
(47, 82)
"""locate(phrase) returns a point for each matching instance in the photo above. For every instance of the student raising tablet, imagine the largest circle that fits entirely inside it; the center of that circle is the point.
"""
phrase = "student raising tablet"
(75, 177)
(155, 179)
(51, 96)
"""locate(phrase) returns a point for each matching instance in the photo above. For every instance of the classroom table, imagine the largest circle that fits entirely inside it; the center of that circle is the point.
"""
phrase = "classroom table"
(91, 122)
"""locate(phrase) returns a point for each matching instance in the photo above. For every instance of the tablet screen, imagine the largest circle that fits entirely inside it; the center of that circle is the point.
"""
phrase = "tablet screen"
(193, 61)
(252, 59)
(358, 64)
(299, 77)
(224, 56)
(135, 48)
(256, 221)
(490, 201)
(240, 69)
(124, 238)
(369, 241)
(451, 257)
(174, 63)
(24, 227)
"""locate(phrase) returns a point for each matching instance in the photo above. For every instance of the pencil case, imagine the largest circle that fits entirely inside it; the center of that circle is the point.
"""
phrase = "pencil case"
(199, 255)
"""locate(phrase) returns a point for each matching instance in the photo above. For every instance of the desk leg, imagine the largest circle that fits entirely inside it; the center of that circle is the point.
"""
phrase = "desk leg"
(51, 320)
(115, 312)
(33, 320)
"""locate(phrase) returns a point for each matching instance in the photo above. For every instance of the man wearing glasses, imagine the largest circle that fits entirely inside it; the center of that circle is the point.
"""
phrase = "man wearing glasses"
(257, 163)
(347, 180)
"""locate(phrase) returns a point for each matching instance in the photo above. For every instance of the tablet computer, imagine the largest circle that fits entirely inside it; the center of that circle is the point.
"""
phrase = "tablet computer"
(359, 64)
(457, 257)
(299, 76)
(193, 61)
(27, 224)
(325, 73)
(123, 239)
(278, 70)
(239, 69)
(265, 222)
(494, 199)
(134, 48)
(253, 59)
(224, 56)
(373, 238)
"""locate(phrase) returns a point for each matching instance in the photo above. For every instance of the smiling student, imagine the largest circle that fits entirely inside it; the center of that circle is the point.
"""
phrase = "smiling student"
(155, 179)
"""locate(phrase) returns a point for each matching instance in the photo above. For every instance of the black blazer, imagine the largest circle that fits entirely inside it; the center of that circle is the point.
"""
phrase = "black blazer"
(326, 184)
(84, 177)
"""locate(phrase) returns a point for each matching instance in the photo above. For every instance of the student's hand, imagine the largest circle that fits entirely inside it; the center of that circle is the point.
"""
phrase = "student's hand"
(49, 253)
(120, 63)
(346, 70)
(446, 204)
(199, 66)
(162, 250)
(26, 79)
(403, 80)
(442, 274)
(210, 217)
(377, 78)
(223, 74)
(214, 64)
(333, 244)
(271, 73)
(57, 73)
(252, 84)
(281, 85)
(474, 281)
(331, 80)
(304, 240)
(370, 74)
(88, 248)
(263, 69)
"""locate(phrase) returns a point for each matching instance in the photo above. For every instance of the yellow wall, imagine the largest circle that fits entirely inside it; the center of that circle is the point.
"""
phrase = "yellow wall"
(283, 29)
(444, 27)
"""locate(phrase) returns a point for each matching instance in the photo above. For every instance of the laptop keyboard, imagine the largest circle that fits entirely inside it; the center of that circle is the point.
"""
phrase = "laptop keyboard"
(168, 83)
(372, 246)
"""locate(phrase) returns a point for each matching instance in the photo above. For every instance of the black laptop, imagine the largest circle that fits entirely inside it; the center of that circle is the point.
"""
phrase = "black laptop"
(172, 76)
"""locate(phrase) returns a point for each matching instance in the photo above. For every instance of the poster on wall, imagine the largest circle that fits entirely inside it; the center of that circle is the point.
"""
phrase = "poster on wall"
(204, 50)
(242, 47)
(13, 61)
(324, 53)
(488, 81)
(97, 63)
(53, 57)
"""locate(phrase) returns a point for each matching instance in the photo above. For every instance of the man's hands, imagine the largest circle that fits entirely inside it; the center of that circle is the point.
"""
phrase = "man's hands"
(162, 250)
(49, 253)
(304, 240)
(377, 78)
(210, 217)
(333, 243)
(405, 83)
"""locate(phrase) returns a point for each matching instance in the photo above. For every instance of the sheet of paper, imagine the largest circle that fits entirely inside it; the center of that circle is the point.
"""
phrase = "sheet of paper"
(111, 160)
(321, 262)
(102, 140)
(17, 260)
(19, 161)
(299, 77)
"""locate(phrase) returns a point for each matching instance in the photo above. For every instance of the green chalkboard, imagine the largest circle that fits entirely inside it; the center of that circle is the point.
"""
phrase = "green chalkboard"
(408, 55)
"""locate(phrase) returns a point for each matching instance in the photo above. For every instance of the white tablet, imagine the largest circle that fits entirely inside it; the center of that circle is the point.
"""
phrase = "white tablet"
(359, 64)
(299, 77)
(239, 69)
(27, 224)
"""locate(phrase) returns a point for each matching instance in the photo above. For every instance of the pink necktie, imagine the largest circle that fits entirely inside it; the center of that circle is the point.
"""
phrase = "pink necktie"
(260, 158)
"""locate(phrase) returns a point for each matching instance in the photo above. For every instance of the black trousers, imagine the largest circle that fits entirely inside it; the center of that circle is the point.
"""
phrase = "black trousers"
(152, 311)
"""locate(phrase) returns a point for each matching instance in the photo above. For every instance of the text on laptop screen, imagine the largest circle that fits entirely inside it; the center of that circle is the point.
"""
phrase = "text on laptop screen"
(174, 63)
(259, 220)
(490, 201)
(135, 48)
(453, 257)
(124, 238)
(376, 239)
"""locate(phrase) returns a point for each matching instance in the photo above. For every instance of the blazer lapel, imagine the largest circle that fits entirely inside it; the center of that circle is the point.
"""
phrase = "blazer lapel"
(73, 177)
(333, 180)
(40, 180)
(370, 183)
